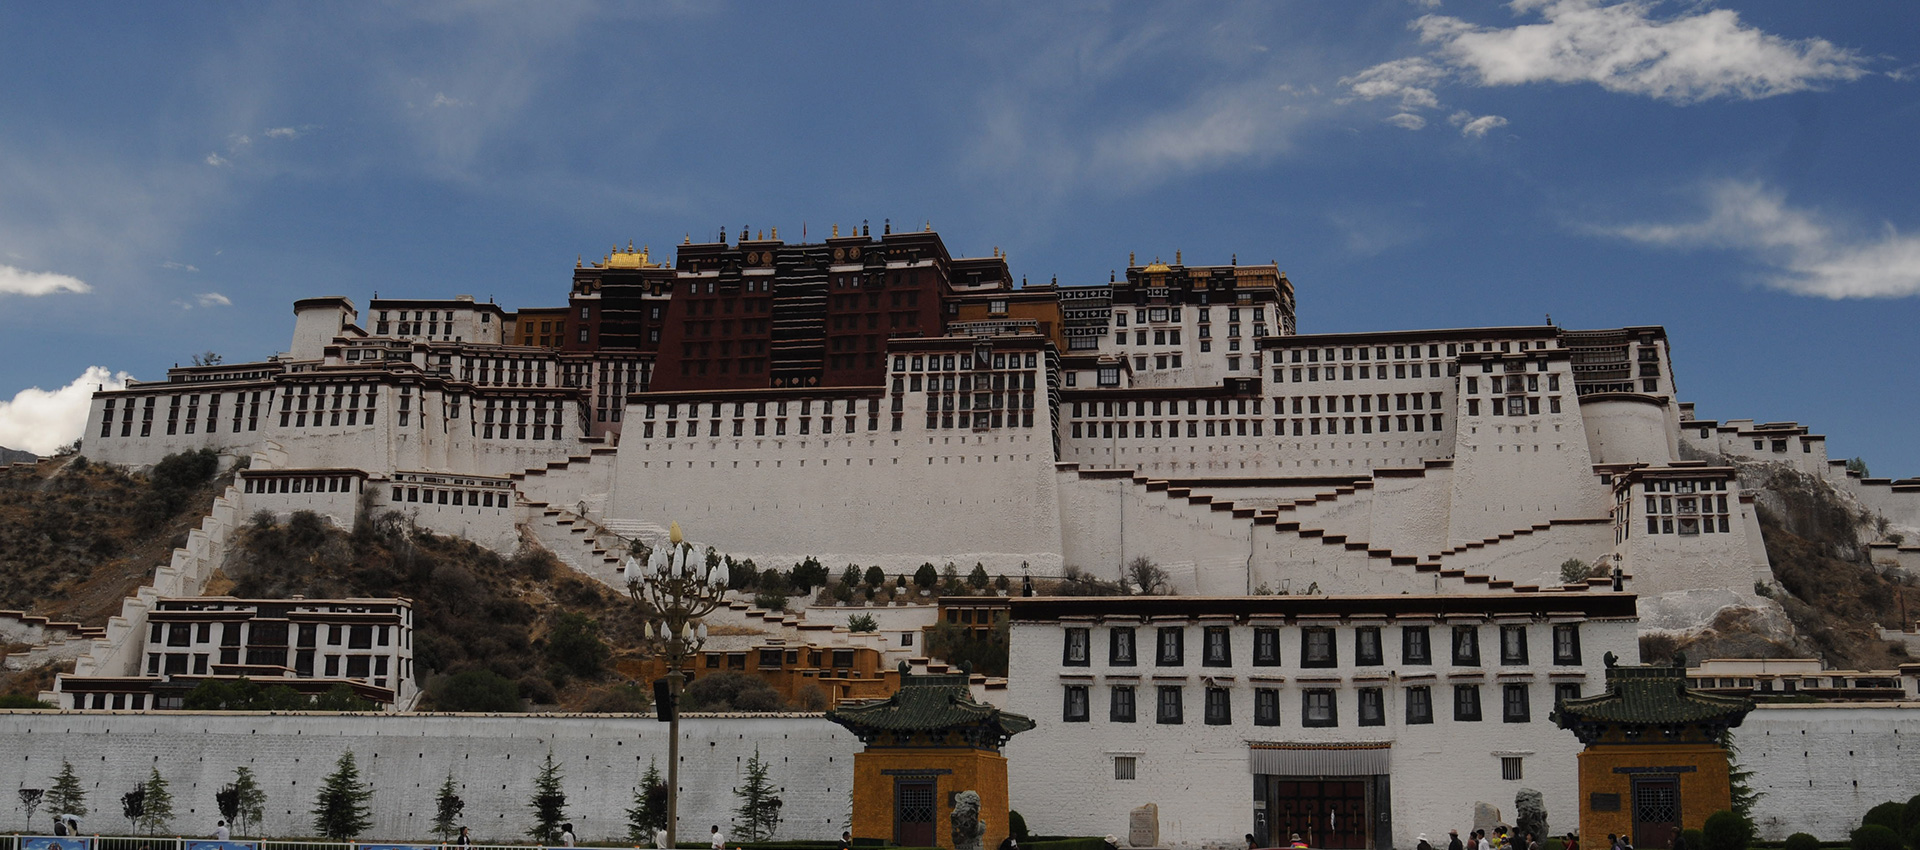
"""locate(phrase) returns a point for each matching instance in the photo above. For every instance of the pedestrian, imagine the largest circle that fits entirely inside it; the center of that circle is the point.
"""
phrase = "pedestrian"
(660, 838)
(718, 841)
(1296, 843)
(1453, 840)
(1420, 843)
(220, 832)
(463, 839)
(1613, 841)
(1484, 843)
(59, 827)
(1010, 843)
(846, 839)
(1571, 842)
(566, 835)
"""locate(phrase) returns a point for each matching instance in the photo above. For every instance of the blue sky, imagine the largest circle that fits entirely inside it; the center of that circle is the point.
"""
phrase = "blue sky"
(172, 176)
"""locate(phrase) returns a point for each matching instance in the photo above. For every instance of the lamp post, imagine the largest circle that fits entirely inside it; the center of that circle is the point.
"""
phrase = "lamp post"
(678, 588)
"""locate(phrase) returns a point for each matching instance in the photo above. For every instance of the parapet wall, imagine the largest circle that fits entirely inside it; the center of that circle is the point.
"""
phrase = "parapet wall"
(493, 760)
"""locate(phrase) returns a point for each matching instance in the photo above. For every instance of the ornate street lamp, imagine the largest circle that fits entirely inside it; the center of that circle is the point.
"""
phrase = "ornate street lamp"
(678, 588)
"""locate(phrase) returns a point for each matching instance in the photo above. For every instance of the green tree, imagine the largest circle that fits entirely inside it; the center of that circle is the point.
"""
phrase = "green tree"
(950, 580)
(875, 577)
(1574, 571)
(850, 577)
(227, 801)
(446, 810)
(1857, 466)
(252, 801)
(1801, 841)
(1874, 836)
(978, 579)
(549, 804)
(809, 574)
(1000, 582)
(30, 799)
(156, 814)
(731, 691)
(133, 804)
(984, 652)
(1888, 814)
(340, 809)
(575, 645)
(926, 576)
(649, 810)
(862, 623)
(66, 797)
(475, 690)
(759, 812)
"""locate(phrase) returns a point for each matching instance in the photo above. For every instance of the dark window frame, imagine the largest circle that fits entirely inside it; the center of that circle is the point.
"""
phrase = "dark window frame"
(1170, 646)
(1419, 705)
(1218, 707)
(1171, 712)
(1318, 648)
(1077, 638)
(1331, 707)
(1266, 706)
(1416, 645)
(1513, 645)
(1119, 709)
(1266, 646)
(1566, 644)
(1466, 703)
(1216, 647)
(1373, 707)
(1466, 646)
(1516, 703)
(1115, 657)
(1367, 651)
(1073, 704)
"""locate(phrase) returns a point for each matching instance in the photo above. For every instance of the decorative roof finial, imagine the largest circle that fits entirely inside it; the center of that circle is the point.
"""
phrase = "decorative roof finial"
(1130, 262)
(578, 259)
(887, 225)
(1176, 257)
(836, 231)
(686, 239)
(776, 233)
(1236, 259)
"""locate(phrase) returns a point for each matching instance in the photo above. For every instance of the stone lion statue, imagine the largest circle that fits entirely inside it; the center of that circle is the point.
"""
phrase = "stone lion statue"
(967, 828)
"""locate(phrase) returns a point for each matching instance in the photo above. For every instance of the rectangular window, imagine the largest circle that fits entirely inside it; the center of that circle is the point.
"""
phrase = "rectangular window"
(1218, 649)
(1566, 644)
(1266, 707)
(1124, 767)
(1466, 703)
(1317, 708)
(1419, 705)
(1074, 710)
(1170, 709)
(1366, 647)
(1415, 645)
(1373, 707)
(1316, 648)
(1219, 707)
(1120, 652)
(1563, 691)
(1513, 644)
(1266, 647)
(1120, 704)
(1075, 653)
(1173, 649)
(1516, 706)
(1466, 646)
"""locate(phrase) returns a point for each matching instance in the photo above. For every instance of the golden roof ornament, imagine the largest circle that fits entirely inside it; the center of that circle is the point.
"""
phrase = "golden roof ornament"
(673, 533)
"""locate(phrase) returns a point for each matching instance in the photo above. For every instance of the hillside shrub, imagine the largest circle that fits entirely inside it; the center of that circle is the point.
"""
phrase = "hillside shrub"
(1889, 814)
(1874, 836)
(1693, 839)
(1801, 841)
(731, 691)
(1017, 827)
(1726, 830)
(475, 690)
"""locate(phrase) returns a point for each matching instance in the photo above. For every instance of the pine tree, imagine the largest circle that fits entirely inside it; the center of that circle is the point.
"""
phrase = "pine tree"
(447, 809)
(649, 810)
(133, 804)
(549, 804)
(340, 810)
(252, 802)
(157, 807)
(759, 812)
(67, 797)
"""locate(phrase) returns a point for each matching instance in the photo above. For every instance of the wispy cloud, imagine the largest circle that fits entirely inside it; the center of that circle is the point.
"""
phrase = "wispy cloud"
(41, 421)
(1812, 254)
(1475, 126)
(180, 267)
(216, 160)
(1691, 56)
(282, 133)
(16, 281)
(213, 299)
(1406, 120)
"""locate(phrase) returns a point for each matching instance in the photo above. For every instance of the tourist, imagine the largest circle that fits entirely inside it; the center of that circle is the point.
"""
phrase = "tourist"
(846, 840)
(1420, 843)
(1251, 844)
(463, 839)
(1296, 843)
(566, 835)
(220, 832)
(1571, 842)
(1484, 843)
(1453, 840)
(59, 827)
(718, 841)
(1010, 843)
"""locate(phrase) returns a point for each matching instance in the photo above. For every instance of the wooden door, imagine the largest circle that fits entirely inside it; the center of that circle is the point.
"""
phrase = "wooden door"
(913, 810)
(1656, 812)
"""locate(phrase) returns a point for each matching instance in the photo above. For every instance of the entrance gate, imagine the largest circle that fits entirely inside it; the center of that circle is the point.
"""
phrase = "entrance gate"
(913, 812)
(1656, 811)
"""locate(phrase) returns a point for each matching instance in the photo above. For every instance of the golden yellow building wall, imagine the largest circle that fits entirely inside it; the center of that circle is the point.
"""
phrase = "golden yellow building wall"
(979, 771)
(1706, 789)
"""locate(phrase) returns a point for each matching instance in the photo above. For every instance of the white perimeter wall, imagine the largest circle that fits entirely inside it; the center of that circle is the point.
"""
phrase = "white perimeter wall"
(494, 760)
(1820, 767)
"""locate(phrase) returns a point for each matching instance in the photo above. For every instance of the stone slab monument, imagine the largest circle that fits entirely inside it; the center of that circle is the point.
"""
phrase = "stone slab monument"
(1143, 826)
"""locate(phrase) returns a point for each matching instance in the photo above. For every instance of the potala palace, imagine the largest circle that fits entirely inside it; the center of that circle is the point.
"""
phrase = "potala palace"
(1365, 531)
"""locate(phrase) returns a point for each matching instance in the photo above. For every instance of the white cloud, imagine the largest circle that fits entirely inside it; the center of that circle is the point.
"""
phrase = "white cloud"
(213, 299)
(181, 267)
(41, 421)
(441, 99)
(1813, 255)
(217, 160)
(1687, 57)
(15, 281)
(1407, 120)
(283, 133)
(1475, 127)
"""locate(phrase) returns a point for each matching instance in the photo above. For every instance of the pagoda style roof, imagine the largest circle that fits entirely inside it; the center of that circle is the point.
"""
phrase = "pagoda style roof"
(931, 710)
(1640, 699)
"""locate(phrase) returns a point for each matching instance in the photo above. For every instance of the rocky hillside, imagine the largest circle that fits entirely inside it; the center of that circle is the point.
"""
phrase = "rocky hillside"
(8, 455)
(1829, 594)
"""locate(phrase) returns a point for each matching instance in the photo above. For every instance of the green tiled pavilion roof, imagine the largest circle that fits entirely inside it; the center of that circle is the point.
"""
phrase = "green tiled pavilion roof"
(1651, 696)
(929, 704)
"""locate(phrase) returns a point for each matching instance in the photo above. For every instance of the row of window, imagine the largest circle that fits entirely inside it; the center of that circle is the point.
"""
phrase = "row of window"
(1387, 424)
(1153, 430)
(297, 484)
(367, 667)
(1319, 707)
(1144, 315)
(245, 406)
(1402, 352)
(963, 361)
(803, 426)
(1347, 373)
(760, 408)
(272, 633)
(1318, 646)
(1108, 409)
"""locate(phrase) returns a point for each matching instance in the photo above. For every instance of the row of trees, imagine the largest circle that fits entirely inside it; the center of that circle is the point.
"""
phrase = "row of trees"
(149, 806)
(341, 808)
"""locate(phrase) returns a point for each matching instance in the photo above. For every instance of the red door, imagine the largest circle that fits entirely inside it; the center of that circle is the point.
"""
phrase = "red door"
(913, 812)
(1656, 812)
(1325, 813)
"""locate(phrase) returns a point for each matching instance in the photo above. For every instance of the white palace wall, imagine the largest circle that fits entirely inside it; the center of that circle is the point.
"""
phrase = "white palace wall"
(494, 760)
(1819, 767)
